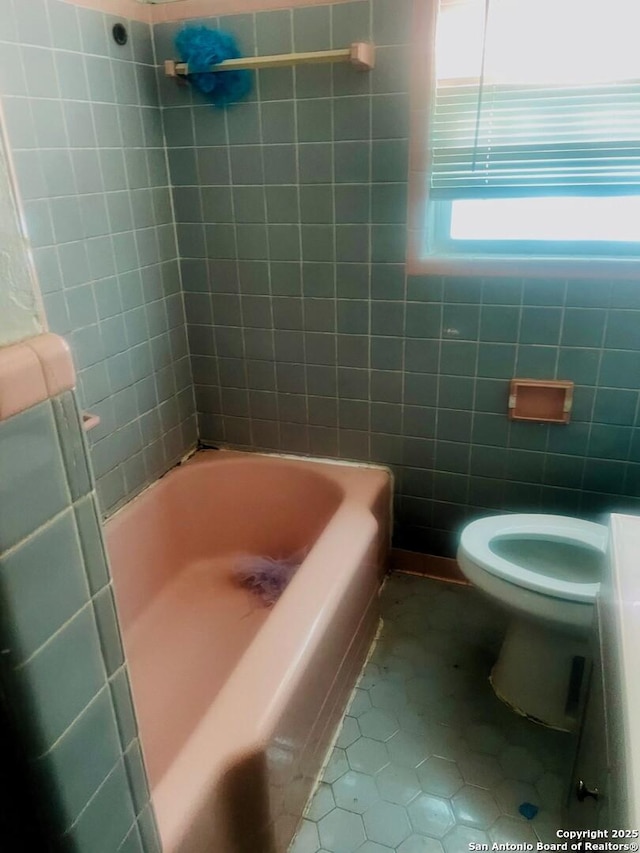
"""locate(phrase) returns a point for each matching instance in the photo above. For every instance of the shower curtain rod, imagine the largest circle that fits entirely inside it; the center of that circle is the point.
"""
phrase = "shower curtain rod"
(361, 55)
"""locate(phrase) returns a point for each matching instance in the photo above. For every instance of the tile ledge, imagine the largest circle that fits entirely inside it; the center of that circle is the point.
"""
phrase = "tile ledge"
(32, 371)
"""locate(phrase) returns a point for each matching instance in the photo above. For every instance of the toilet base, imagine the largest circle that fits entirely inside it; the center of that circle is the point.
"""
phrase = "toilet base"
(541, 673)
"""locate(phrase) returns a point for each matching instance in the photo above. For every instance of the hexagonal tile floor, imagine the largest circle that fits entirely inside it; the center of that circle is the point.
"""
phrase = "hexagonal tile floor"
(427, 759)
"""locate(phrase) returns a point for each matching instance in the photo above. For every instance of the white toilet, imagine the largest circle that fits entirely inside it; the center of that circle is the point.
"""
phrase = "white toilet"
(546, 570)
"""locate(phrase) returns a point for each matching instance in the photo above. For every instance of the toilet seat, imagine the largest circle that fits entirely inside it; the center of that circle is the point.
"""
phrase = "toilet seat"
(476, 541)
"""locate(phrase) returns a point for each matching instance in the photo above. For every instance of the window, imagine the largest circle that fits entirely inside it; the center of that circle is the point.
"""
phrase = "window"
(534, 131)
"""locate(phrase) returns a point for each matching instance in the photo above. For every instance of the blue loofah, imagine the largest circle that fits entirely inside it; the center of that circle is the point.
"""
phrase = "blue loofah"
(201, 48)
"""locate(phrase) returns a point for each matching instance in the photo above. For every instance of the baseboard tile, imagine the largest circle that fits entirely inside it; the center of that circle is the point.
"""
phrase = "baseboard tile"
(427, 565)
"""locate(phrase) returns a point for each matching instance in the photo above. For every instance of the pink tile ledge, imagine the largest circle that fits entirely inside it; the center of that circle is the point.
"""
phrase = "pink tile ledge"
(32, 371)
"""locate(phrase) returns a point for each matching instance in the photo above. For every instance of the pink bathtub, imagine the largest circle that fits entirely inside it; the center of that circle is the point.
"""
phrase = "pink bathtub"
(237, 703)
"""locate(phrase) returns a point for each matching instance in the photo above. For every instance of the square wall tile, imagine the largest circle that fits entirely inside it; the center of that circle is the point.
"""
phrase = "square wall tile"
(43, 585)
(33, 487)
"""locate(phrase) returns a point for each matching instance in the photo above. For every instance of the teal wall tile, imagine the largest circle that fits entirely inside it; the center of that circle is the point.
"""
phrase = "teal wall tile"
(108, 630)
(108, 817)
(274, 32)
(312, 28)
(72, 444)
(134, 764)
(148, 831)
(83, 758)
(63, 676)
(42, 584)
(540, 325)
(500, 324)
(583, 327)
(535, 361)
(123, 707)
(132, 843)
(276, 84)
(33, 487)
(351, 22)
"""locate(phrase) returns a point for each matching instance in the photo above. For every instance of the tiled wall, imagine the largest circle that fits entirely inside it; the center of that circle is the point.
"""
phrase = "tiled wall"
(20, 312)
(84, 127)
(307, 336)
(64, 691)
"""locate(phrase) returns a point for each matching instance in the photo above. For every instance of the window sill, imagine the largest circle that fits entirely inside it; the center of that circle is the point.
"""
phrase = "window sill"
(525, 266)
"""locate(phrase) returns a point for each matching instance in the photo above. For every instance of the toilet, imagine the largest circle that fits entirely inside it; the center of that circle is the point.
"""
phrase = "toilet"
(546, 570)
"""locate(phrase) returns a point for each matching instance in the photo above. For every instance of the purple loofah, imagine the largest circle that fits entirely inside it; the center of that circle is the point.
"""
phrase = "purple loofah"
(266, 577)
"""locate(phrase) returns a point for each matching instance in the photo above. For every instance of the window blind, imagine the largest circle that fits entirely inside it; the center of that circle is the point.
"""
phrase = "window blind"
(536, 97)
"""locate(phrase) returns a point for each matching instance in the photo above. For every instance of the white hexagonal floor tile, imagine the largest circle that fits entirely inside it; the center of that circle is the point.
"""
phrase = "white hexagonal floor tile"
(387, 823)
(355, 792)
(414, 720)
(360, 702)
(370, 676)
(483, 771)
(461, 838)
(485, 738)
(388, 696)
(322, 802)
(398, 784)
(551, 788)
(475, 806)
(407, 749)
(512, 830)
(440, 777)
(431, 815)
(518, 763)
(349, 733)
(408, 648)
(336, 766)
(447, 742)
(412, 623)
(546, 825)
(511, 794)
(377, 724)
(372, 847)
(341, 831)
(367, 755)
(397, 668)
(420, 844)
(448, 710)
(426, 687)
(306, 840)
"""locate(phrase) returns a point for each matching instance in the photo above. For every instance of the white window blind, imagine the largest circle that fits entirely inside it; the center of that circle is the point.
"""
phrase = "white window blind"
(536, 97)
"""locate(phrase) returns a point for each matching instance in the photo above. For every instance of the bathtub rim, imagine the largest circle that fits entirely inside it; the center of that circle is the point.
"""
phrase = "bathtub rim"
(197, 454)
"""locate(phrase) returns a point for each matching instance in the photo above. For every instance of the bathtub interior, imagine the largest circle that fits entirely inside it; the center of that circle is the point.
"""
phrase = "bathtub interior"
(205, 521)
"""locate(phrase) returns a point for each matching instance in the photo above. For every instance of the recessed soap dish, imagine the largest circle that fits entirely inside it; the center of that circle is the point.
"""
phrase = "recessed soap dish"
(541, 400)
(89, 421)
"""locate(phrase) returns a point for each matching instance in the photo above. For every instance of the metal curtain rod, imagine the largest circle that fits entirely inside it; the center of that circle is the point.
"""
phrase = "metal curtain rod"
(361, 55)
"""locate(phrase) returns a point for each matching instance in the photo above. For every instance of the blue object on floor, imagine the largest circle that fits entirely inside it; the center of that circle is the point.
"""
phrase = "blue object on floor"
(528, 810)
(201, 48)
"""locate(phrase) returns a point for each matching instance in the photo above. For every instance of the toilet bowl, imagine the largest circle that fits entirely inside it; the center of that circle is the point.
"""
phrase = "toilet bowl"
(546, 570)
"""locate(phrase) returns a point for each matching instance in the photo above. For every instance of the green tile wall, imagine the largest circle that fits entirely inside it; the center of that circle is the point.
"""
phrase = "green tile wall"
(306, 334)
(83, 124)
(63, 681)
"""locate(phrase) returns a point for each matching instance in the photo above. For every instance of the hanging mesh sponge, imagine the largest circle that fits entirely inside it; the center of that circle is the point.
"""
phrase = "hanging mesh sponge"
(201, 47)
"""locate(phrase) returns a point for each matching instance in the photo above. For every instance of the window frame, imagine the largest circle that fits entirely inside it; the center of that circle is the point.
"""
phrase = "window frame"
(427, 252)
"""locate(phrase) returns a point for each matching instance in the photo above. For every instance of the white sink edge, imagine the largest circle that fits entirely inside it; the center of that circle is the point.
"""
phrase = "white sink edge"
(618, 609)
